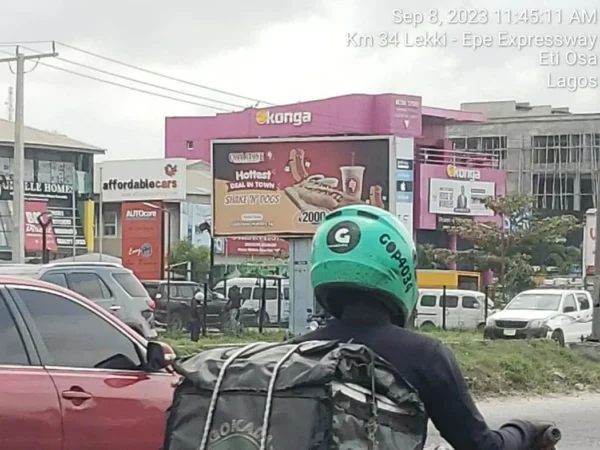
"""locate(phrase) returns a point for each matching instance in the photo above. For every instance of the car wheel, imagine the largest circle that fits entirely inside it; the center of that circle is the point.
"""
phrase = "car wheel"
(265, 319)
(177, 321)
(481, 327)
(559, 338)
(428, 326)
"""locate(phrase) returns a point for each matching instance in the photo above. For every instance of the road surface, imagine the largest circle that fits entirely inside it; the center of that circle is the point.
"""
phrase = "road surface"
(577, 417)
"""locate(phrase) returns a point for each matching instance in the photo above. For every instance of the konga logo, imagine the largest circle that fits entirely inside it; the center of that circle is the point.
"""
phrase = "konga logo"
(279, 118)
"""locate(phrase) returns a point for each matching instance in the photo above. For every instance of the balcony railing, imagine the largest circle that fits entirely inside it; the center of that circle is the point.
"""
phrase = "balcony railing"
(458, 158)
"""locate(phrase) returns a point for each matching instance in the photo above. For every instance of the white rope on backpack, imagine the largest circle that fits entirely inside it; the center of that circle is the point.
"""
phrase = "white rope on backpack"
(215, 395)
(269, 400)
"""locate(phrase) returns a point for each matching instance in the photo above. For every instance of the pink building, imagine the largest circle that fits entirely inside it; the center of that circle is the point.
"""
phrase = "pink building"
(444, 183)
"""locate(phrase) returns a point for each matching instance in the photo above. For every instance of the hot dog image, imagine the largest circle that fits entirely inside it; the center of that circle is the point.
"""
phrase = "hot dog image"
(297, 165)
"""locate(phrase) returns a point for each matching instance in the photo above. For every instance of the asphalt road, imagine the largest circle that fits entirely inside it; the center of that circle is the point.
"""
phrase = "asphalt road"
(577, 417)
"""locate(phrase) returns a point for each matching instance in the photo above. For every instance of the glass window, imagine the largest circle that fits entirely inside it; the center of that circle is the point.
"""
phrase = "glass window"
(570, 303)
(470, 303)
(75, 336)
(12, 349)
(584, 302)
(186, 291)
(246, 293)
(130, 284)
(286, 293)
(90, 285)
(536, 302)
(270, 293)
(428, 300)
(56, 278)
(451, 301)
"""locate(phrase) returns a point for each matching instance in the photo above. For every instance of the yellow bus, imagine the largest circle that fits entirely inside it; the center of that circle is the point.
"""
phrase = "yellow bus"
(452, 279)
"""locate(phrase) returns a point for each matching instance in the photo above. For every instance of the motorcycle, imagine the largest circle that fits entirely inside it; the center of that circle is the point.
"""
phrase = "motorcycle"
(314, 322)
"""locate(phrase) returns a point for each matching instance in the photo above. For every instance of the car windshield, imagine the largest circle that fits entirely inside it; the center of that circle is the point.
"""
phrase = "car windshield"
(538, 302)
(130, 284)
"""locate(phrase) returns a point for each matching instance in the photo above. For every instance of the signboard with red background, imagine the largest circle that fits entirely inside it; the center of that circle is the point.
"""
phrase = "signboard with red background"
(33, 229)
(256, 246)
(141, 243)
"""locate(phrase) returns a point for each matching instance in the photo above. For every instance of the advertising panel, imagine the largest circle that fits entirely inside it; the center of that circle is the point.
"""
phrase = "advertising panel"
(141, 239)
(141, 180)
(461, 198)
(286, 187)
(405, 180)
(33, 229)
(256, 246)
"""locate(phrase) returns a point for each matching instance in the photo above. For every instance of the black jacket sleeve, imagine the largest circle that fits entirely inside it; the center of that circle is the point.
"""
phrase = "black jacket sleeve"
(452, 410)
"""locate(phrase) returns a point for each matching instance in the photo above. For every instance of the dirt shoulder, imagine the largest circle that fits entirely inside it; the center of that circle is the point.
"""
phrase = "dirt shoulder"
(492, 369)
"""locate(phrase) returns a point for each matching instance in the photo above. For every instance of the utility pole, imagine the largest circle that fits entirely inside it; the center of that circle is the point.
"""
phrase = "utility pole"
(10, 104)
(596, 310)
(18, 235)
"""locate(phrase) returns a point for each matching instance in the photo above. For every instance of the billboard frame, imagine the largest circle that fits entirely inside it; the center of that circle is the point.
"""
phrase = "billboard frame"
(376, 137)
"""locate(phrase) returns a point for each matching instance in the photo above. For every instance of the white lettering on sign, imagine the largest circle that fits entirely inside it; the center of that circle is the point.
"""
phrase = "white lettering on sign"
(140, 214)
(462, 173)
(279, 118)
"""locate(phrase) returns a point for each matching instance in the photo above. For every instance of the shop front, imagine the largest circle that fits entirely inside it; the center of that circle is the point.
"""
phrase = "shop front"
(55, 191)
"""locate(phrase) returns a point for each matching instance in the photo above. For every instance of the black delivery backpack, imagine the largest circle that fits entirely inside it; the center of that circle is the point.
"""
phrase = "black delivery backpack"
(315, 395)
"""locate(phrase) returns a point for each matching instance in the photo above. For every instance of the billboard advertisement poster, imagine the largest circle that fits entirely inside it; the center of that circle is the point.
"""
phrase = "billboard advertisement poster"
(141, 180)
(460, 198)
(286, 187)
(405, 181)
(141, 242)
(33, 229)
(256, 246)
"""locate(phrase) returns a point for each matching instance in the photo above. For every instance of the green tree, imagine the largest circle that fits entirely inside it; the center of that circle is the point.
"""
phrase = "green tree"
(519, 276)
(495, 245)
(198, 256)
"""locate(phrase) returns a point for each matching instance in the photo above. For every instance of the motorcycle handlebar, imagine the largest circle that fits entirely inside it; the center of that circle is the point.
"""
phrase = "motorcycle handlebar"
(551, 437)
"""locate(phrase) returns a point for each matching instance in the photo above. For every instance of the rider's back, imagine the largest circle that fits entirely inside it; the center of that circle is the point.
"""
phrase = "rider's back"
(432, 369)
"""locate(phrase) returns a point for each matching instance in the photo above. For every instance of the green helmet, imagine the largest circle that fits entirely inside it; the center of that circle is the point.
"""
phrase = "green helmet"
(367, 248)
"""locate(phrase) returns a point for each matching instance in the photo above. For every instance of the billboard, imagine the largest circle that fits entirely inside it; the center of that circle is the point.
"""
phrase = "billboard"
(256, 246)
(33, 229)
(405, 181)
(286, 187)
(141, 180)
(460, 197)
(141, 239)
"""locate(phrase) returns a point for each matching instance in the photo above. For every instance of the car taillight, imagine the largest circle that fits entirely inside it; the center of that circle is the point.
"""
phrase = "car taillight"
(151, 304)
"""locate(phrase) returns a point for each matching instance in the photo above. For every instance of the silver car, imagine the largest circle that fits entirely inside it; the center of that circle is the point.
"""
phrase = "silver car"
(109, 285)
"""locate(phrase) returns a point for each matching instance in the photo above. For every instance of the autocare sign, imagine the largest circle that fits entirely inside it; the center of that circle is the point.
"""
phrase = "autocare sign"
(141, 243)
(463, 173)
(297, 119)
(141, 180)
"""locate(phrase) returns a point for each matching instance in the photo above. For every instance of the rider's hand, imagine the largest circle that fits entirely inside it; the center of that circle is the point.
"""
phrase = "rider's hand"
(540, 429)
(535, 430)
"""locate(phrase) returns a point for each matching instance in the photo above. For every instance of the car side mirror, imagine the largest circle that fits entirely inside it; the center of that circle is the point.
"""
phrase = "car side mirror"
(477, 306)
(159, 356)
(568, 309)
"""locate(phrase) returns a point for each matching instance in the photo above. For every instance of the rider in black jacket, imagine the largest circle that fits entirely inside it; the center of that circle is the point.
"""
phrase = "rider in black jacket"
(363, 273)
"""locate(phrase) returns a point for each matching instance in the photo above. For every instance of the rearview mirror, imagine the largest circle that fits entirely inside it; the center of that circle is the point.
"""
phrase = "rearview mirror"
(159, 356)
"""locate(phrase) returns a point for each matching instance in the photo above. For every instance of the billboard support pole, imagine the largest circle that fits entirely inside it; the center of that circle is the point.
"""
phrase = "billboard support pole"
(101, 216)
(596, 311)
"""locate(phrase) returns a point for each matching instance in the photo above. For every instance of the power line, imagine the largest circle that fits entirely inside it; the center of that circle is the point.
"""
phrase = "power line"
(143, 91)
(168, 77)
(123, 77)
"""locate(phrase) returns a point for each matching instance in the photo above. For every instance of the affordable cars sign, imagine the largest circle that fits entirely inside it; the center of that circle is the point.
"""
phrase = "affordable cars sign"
(141, 180)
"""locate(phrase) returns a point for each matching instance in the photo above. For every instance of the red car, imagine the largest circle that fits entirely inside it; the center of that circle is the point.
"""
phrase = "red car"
(74, 377)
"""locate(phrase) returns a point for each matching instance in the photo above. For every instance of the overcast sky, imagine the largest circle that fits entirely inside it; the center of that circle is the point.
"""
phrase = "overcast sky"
(270, 50)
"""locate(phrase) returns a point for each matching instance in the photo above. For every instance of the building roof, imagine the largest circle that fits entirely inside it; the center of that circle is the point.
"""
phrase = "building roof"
(35, 138)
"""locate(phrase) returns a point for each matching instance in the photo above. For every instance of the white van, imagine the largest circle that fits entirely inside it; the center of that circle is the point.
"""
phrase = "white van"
(464, 309)
(251, 291)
